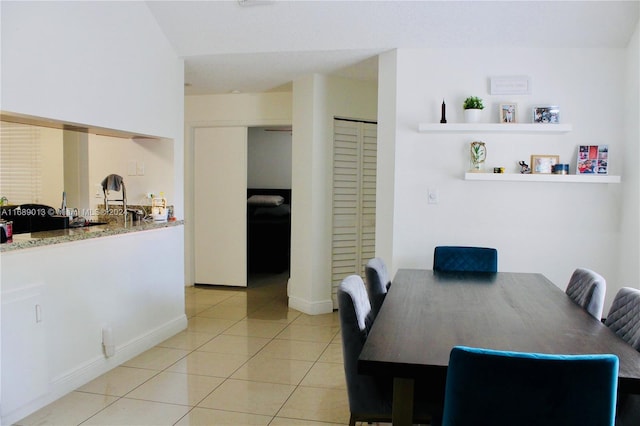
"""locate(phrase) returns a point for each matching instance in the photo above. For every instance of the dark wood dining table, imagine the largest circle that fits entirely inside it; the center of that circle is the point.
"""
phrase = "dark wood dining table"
(426, 313)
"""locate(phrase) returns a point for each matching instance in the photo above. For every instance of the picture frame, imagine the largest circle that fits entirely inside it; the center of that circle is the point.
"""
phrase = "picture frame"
(546, 114)
(543, 164)
(593, 159)
(508, 113)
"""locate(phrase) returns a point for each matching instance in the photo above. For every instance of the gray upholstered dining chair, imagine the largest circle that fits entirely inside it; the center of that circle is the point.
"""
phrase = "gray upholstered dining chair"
(465, 259)
(370, 397)
(624, 316)
(377, 281)
(587, 288)
(500, 388)
(624, 319)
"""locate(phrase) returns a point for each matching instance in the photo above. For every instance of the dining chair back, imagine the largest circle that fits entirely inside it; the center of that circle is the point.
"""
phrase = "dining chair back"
(465, 259)
(624, 316)
(587, 288)
(624, 319)
(377, 281)
(369, 397)
(499, 388)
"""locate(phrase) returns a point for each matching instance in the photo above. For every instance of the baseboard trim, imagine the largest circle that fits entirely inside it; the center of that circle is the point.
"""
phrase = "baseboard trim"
(311, 308)
(84, 373)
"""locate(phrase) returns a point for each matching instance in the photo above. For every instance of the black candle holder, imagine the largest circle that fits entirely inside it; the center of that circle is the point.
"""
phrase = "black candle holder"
(443, 118)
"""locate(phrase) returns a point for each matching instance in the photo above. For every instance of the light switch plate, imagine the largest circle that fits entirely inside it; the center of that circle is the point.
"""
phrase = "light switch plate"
(140, 169)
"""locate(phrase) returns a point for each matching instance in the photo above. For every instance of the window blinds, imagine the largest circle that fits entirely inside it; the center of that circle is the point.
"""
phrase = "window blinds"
(20, 163)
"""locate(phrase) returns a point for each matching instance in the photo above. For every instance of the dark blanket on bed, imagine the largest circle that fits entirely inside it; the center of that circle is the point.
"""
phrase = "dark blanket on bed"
(268, 229)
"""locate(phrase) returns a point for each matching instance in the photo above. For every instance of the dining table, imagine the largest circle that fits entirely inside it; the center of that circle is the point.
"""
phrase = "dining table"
(426, 313)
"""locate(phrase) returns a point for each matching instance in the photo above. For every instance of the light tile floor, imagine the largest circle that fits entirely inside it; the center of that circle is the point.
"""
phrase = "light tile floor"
(245, 359)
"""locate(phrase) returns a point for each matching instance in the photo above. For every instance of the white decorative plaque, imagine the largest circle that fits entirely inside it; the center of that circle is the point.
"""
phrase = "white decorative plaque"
(510, 85)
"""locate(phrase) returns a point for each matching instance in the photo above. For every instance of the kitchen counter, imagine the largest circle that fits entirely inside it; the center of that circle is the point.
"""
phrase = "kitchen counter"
(45, 238)
(62, 289)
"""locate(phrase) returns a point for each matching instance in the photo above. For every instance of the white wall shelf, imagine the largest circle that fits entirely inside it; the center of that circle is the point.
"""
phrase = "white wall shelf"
(493, 128)
(517, 177)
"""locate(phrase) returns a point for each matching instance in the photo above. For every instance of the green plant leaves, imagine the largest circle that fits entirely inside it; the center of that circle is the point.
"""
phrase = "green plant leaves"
(473, 102)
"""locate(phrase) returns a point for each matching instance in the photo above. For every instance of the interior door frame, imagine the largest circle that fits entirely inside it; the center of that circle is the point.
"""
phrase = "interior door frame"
(189, 178)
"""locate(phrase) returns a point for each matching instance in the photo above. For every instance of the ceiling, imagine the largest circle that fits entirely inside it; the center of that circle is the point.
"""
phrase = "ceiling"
(255, 46)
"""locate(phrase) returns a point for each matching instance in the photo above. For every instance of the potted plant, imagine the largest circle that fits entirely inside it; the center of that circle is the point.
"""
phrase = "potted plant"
(472, 107)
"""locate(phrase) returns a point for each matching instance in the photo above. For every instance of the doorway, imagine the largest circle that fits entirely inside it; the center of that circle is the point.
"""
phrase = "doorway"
(269, 160)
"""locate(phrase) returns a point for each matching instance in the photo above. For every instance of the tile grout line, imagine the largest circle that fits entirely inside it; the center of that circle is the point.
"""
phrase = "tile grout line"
(158, 372)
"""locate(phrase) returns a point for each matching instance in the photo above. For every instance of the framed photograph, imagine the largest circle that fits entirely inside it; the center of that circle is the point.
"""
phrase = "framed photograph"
(543, 163)
(593, 159)
(508, 113)
(546, 114)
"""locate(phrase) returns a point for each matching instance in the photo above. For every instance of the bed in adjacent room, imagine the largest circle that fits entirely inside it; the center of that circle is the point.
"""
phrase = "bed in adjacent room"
(268, 229)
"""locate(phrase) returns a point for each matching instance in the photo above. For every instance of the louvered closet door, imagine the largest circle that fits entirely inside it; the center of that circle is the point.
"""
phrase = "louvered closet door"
(354, 199)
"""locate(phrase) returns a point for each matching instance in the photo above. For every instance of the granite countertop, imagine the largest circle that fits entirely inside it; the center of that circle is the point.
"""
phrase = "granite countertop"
(46, 238)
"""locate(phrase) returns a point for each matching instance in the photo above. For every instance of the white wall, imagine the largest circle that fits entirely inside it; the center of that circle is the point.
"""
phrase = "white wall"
(84, 286)
(100, 64)
(52, 166)
(244, 110)
(269, 158)
(629, 263)
(385, 184)
(317, 100)
(153, 158)
(250, 109)
(537, 227)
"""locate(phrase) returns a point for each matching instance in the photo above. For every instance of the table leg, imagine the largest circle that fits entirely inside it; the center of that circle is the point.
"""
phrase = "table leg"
(402, 411)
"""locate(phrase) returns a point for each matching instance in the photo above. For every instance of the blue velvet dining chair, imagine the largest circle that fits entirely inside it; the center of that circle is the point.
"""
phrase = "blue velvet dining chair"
(499, 388)
(465, 259)
(587, 288)
(624, 319)
(377, 281)
(370, 397)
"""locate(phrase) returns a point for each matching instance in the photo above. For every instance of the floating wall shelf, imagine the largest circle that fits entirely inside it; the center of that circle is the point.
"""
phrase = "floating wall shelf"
(517, 177)
(493, 128)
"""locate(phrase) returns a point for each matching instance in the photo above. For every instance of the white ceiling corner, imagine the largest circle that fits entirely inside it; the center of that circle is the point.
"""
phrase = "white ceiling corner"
(258, 45)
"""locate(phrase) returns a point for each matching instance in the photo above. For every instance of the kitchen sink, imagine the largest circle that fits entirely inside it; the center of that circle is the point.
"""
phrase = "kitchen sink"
(82, 225)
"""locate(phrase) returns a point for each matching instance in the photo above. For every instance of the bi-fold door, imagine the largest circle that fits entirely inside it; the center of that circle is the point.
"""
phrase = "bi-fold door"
(354, 199)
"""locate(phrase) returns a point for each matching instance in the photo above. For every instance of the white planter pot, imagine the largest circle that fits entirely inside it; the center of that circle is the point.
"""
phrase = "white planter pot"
(472, 115)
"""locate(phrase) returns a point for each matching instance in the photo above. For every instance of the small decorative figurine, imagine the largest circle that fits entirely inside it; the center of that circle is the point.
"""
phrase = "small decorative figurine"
(444, 113)
(524, 168)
